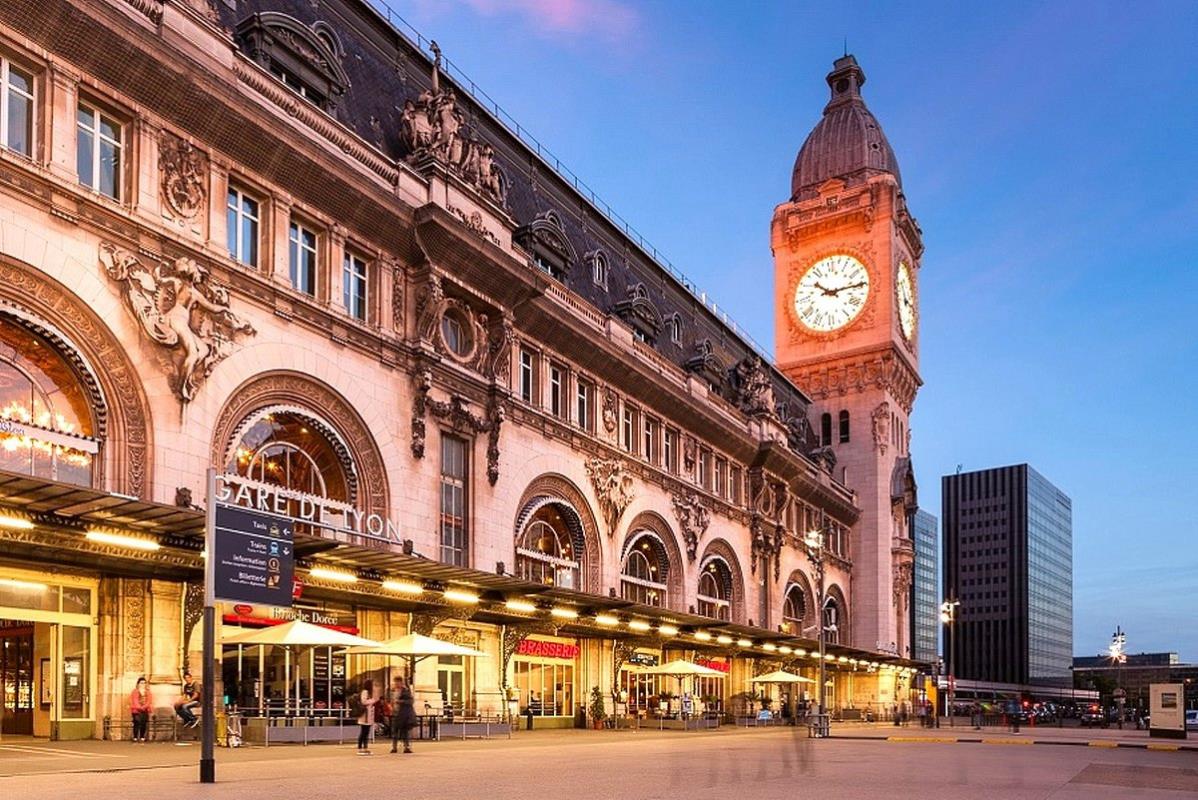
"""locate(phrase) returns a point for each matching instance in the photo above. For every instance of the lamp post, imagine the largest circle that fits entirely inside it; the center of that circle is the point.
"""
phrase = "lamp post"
(1118, 659)
(948, 615)
(814, 541)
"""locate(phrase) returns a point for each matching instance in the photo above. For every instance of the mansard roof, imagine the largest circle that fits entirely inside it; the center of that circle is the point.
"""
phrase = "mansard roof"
(384, 70)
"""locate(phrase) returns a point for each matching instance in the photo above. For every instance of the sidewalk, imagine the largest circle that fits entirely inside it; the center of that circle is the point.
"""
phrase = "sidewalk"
(1028, 734)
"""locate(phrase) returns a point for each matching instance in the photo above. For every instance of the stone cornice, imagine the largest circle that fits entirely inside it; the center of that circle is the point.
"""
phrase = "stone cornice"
(884, 369)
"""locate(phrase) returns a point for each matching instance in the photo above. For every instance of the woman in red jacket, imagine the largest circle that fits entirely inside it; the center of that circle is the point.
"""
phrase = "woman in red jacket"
(140, 706)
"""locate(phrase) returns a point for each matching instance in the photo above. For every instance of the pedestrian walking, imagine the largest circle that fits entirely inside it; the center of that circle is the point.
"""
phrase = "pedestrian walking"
(140, 707)
(403, 716)
(366, 702)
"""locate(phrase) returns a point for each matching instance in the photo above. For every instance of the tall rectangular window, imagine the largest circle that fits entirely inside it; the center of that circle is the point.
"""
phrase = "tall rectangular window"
(527, 376)
(705, 469)
(670, 451)
(241, 218)
(557, 391)
(16, 109)
(628, 437)
(353, 286)
(302, 252)
(737, 482)
(721, 477)
(583, 405)
(649, 447)
(98, 151)
(453, 501)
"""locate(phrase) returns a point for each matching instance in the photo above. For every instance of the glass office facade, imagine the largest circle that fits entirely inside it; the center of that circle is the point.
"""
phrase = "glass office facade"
(925, 595)
(1049, 582)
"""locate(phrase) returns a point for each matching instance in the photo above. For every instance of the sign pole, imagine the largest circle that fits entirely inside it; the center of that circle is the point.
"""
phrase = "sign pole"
(208, 721)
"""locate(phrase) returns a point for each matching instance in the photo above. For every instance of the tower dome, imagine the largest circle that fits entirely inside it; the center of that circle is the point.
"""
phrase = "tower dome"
(848, 142)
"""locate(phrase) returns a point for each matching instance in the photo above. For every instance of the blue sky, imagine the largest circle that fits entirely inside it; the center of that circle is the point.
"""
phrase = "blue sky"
(1049, 154)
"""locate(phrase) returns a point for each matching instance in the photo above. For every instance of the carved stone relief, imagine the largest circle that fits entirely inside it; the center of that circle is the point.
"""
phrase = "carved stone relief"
(183, 171)
(693, 519)
(755, 392)
(180, 308)
(613, 486)
(609, 410)
(460, 418)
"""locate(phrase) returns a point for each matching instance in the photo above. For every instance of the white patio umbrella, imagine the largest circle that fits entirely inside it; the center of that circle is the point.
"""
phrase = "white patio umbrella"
(681, 669)
(415, 647)
(781, 676)
(295, 635)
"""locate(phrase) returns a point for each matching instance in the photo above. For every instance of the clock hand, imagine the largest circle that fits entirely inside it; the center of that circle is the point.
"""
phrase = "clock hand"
(827, 292)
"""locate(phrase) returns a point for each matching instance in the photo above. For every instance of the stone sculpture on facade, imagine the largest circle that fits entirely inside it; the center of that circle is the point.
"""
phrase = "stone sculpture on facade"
(609, 410)
(613, 486)
(460, 418)
(432, 126)
(881, 426)
(755, 393)
(693, 519)
(180, 308)
(184, 175)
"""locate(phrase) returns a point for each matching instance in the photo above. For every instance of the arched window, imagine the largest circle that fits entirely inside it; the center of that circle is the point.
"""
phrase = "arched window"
(844, 426)
(832, 620)
(825, 430)
(715, 589)
(599, 269)
(794, 610)
(675, 325)
(46, 423)
(644, 570)
(546, 551)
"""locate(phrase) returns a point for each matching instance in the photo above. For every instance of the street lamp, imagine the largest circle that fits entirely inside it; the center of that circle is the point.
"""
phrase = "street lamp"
(1118, 656)
(948, 615)
(814, 541)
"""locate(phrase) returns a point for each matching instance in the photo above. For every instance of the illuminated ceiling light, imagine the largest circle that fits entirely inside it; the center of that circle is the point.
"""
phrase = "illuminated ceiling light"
(743, 643)
(769, 646)
(563, 613)
(460, 596)
(843, 659)
(337, 575)
(403, 587)
(703, 636)
(638, 625)
(523, 606)
(25, 586)
(787, 650)
(800, 651)
(121, 540)
(607, 620)
(724, 639)
(667, 630)
(853, 661)
(14, 522)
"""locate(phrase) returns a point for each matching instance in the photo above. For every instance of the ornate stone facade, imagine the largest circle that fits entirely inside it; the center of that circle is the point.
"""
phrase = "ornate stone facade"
(614, 488)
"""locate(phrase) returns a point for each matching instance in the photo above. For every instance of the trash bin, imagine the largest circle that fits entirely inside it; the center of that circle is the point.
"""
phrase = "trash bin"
(528, 719)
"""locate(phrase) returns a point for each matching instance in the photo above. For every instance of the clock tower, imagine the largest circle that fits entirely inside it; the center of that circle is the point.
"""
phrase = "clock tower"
(846, 288)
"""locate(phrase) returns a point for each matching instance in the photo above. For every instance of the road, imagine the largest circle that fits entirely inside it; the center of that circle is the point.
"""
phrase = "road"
(728, 764)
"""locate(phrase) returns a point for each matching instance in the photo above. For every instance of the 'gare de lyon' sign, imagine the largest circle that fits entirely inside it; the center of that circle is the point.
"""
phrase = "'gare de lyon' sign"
(300, 507)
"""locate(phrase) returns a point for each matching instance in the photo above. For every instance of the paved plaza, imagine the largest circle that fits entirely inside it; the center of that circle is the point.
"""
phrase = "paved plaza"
(742, 764)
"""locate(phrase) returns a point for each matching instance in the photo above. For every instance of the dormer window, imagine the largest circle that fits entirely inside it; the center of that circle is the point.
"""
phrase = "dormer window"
(638, 311)
(674, 324)
(307, 60)
(705, 364)
(545, 240)
(599, 268)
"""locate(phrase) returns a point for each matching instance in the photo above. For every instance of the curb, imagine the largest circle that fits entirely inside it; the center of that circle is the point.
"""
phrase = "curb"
(1103, 744)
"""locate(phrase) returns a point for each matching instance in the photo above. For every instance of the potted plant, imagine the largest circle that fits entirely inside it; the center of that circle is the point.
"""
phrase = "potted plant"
(598, 711)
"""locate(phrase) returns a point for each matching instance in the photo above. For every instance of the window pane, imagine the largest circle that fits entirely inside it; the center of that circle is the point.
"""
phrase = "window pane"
(86, 117)
(231, 225)
(20, 124)
(20, 81)
(85, 151)
(76, 669)
(109, 129)
(110, 169)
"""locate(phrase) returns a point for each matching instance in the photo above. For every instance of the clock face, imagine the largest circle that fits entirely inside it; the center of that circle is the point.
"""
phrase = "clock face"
(905, 289)
(832, 293)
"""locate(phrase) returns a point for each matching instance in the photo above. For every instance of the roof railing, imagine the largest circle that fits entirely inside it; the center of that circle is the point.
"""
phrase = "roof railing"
(409, 32)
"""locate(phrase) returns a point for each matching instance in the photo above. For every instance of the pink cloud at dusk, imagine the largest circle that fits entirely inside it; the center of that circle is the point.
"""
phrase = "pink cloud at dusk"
(606, 19)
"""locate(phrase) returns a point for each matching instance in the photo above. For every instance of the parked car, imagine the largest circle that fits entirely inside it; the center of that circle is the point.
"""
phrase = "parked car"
(1092, 716)
(1192, 719)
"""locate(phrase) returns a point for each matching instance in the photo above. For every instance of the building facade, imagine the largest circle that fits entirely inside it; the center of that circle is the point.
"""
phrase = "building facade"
(282, 241)
(1135, 676)
(1008, 561)
(925, 591)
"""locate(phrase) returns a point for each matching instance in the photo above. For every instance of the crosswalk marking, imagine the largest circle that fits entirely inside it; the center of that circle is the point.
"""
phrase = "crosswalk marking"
(54, 752)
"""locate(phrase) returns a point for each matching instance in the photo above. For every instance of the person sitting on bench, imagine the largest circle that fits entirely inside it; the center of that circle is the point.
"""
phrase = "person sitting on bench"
(189, 699)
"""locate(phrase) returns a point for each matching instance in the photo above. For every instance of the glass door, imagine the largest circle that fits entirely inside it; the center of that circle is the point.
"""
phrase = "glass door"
(451, 680)
(16, 680)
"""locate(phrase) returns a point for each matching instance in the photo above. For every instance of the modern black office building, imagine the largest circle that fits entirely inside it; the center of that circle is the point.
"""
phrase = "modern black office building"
(1008, 560)
(925, 594)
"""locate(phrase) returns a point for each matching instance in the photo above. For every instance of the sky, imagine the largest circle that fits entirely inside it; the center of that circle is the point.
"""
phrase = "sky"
(1050, 154)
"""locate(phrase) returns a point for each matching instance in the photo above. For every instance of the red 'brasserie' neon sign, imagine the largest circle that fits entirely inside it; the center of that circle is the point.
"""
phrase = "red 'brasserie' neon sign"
(536, 647)
(722, 666)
